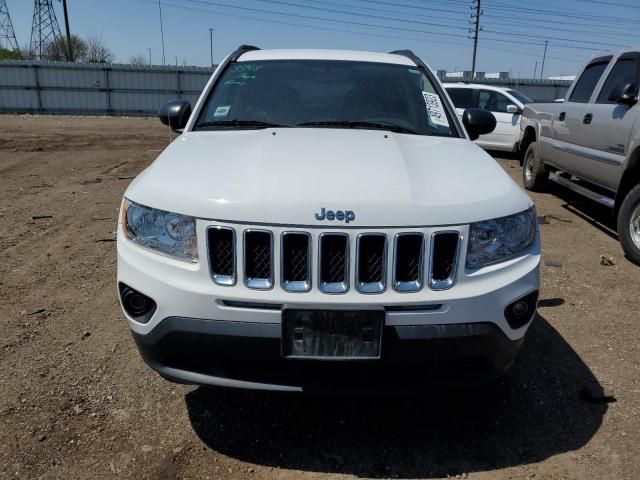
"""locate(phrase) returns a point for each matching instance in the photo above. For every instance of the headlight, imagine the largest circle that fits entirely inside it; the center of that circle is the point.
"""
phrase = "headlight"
(496, 240)
(165, 232)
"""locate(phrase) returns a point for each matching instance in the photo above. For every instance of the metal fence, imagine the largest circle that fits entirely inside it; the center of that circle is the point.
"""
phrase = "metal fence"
(95, 89)
(112, 89)
(537, 89)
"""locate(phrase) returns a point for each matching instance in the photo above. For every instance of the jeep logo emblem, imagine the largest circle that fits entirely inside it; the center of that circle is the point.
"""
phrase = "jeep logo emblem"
(340, 215)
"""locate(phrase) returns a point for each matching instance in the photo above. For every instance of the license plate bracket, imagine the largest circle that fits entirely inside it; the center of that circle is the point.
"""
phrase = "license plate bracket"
(332, 334)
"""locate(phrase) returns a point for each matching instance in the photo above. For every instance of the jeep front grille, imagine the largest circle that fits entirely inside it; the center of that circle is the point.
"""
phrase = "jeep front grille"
(407, 260)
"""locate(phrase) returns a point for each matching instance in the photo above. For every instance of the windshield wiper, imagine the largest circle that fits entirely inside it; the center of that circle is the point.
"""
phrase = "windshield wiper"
(240, 123)
(361, 124)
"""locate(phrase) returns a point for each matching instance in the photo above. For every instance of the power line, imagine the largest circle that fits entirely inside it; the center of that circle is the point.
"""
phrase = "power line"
(560, 13)
(537, 28)
(562, 39)
(369, 8)
(363, 24)
(377, 17)
(611, 4)
(370, 34)
(559, 29)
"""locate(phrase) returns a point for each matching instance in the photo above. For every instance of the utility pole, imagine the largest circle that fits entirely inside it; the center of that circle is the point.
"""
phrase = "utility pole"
(161, 31)
(66, 26)
(475, 22)
(535, 69)
(7, 35)
(544, 57)
(44, 27)
(149, 55)
(211, 44)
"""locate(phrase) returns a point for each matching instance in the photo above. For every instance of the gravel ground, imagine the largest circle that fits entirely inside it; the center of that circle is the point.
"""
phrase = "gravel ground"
(78, 402)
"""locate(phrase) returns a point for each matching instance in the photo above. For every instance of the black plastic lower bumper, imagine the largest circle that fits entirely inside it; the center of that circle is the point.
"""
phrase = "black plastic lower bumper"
(248, 355)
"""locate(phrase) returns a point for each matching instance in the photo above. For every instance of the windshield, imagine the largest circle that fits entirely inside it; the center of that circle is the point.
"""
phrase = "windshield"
(325, 94)
(520, 96)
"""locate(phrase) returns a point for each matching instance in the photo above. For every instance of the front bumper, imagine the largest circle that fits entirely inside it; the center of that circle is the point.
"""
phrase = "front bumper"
(247, 355)
(210, 334)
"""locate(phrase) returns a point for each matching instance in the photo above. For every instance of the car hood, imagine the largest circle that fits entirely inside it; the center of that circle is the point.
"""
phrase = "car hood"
(285, 176)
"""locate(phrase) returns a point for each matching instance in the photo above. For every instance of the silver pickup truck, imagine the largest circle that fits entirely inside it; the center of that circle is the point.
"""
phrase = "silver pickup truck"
(590, 141)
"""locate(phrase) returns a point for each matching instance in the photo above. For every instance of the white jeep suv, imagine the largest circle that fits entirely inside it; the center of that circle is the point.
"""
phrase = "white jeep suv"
(324, 221)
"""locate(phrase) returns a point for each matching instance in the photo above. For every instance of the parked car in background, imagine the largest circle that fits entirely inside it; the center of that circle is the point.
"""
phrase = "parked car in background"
(590, 142)
(324, 221)
(506, 104)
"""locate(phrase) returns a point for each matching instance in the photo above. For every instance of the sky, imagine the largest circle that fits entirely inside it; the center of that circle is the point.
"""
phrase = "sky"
(512, 37)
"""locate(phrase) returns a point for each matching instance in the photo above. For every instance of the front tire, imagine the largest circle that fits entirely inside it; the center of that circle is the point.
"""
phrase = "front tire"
(535, 174)
(629, 225)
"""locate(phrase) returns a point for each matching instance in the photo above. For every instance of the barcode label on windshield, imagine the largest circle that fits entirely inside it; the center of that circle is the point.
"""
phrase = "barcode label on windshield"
(435, 109)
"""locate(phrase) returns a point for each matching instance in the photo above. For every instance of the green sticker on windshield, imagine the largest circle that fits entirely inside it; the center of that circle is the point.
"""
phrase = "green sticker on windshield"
(222, 111)
(242, 73)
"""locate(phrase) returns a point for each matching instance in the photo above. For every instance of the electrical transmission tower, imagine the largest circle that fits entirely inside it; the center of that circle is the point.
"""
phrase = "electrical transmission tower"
(7, 35)
(44, 29)
(476, 12)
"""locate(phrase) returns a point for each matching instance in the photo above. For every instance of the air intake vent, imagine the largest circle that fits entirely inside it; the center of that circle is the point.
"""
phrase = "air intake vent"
(371, 263)
(444, 255)
(295, 256)
(258, 259)
(409, 260)
(222, 255)
(333, 262)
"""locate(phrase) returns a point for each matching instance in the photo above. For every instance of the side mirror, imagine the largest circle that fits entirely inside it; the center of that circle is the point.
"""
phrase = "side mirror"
(478, 121)
(625, 93)
(513, 109)
(175, 114)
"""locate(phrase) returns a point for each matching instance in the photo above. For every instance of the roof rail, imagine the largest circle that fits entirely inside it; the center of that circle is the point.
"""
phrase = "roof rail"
(409, 54)
(240, 50)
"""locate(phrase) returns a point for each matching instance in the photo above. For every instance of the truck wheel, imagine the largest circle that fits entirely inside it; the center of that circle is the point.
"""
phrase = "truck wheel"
(629, 225)
(535, 174)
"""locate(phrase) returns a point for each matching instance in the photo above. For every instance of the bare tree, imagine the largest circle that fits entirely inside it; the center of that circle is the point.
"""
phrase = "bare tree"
(27, 53)
(138, 60)
(97, 50)
(57, 50)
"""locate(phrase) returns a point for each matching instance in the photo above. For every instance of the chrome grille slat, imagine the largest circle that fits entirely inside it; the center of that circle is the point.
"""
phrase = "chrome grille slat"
(258, 259)
(333, 262)
(295, 261)
(443, 259)
(221, 243)
(371, 262)
(408, 262)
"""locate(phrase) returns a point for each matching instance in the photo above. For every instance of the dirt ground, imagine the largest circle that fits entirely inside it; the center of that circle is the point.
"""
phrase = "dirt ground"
(76, 400)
